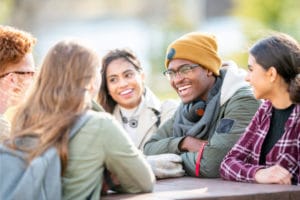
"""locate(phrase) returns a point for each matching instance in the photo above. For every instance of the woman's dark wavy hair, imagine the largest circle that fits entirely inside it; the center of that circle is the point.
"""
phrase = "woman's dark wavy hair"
(104, 98)
(283, 53)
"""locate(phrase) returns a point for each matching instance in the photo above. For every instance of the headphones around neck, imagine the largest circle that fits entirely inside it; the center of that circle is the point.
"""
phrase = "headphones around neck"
(194, 111)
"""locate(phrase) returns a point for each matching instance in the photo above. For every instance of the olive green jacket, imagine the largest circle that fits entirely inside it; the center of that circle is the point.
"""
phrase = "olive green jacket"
(237, 103)
(102, 143)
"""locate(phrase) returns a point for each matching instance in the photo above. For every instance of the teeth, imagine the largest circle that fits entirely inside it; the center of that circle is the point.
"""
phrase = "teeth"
(184, 87)
(126, 92)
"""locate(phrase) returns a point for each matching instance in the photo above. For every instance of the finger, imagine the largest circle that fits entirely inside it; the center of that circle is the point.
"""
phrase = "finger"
(284, 178)
(281, 172)
(286, 181)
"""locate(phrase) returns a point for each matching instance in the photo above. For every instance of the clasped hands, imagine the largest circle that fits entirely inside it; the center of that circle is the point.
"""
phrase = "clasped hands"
(170, 165)
(166, 165)
(191, 144)
(274, 174)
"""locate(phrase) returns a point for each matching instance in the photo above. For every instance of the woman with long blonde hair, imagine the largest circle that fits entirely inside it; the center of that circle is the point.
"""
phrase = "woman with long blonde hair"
(68, 80)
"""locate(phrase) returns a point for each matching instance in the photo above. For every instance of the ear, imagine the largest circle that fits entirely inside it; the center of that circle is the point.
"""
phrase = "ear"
(209, 73)
(12, 78)
(272, 74)
(9, 80)
(143, 77)
(91, 87)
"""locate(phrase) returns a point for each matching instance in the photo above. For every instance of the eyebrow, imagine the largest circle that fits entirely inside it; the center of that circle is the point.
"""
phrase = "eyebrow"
(176, 68)
(182, 66)
(124, 72)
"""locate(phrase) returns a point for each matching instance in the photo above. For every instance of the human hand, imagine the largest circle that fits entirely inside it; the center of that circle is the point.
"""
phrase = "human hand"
(166, 165)
(110, 182)
(275, 174)
(191, 144)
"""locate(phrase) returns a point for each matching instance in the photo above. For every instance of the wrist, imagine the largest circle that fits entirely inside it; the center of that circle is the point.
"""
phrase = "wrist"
(181, 144)
(198, 160)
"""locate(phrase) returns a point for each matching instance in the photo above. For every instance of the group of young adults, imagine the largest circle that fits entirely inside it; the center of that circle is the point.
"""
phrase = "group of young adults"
(231, 124)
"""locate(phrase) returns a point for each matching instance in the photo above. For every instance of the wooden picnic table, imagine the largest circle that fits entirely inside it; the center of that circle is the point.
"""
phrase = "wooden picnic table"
(200, 188)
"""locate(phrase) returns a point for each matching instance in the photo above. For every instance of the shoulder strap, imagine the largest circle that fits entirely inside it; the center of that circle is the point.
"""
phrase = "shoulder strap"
(79, 123)
(157, 114)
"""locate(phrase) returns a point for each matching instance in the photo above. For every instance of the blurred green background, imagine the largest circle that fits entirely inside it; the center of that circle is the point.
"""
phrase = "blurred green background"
(147, 27)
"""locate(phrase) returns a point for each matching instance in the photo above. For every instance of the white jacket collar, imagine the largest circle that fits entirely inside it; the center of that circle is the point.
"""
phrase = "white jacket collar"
(234, 80)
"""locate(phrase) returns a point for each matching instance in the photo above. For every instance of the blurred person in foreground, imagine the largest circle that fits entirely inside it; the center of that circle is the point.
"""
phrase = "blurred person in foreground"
(68, 80)
(217, 105)
(123, 94)
(16, 70)
(269, 150)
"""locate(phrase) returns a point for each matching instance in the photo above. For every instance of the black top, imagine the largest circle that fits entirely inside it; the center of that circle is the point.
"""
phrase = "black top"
(278, 120)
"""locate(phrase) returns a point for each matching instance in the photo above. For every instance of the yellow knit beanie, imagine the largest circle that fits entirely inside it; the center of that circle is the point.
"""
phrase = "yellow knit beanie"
(196, 47)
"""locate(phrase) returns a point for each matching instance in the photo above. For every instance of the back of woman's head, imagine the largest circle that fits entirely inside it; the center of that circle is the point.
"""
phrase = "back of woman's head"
(58, 97)
(65, 73)
(282, 52)
(127, 55)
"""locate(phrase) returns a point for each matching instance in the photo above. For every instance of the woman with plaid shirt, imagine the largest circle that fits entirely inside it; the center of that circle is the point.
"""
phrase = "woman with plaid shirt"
(269, 150)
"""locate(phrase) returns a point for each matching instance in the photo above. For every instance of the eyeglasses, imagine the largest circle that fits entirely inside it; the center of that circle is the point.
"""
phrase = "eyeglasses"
(17, 72)
(182, 71)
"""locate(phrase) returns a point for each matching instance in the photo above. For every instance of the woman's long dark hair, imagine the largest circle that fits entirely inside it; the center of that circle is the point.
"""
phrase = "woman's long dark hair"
(282, 52)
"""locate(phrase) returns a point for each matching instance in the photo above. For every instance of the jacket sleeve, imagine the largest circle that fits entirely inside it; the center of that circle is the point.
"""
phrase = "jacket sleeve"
(125, 161)
(233, 119)
(163, 140)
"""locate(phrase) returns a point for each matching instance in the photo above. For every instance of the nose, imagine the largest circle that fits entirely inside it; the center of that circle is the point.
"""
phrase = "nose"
(247, 77)
(123, 82)
(177, 77)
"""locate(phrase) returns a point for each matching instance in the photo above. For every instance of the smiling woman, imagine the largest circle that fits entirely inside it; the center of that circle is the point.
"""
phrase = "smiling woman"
(274, 157)
(124, 94)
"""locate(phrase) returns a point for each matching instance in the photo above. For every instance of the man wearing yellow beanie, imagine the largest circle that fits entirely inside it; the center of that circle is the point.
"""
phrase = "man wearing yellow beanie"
(217, 105)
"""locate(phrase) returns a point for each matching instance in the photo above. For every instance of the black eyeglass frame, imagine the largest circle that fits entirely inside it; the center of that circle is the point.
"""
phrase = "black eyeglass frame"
(171, 74)
(17, 72)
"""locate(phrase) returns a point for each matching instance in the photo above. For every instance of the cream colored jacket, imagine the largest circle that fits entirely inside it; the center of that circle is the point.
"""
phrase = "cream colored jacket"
(154, 112)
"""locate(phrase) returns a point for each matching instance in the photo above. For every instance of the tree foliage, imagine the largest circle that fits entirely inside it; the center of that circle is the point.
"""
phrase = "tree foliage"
(277, 15)
(5, 9)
